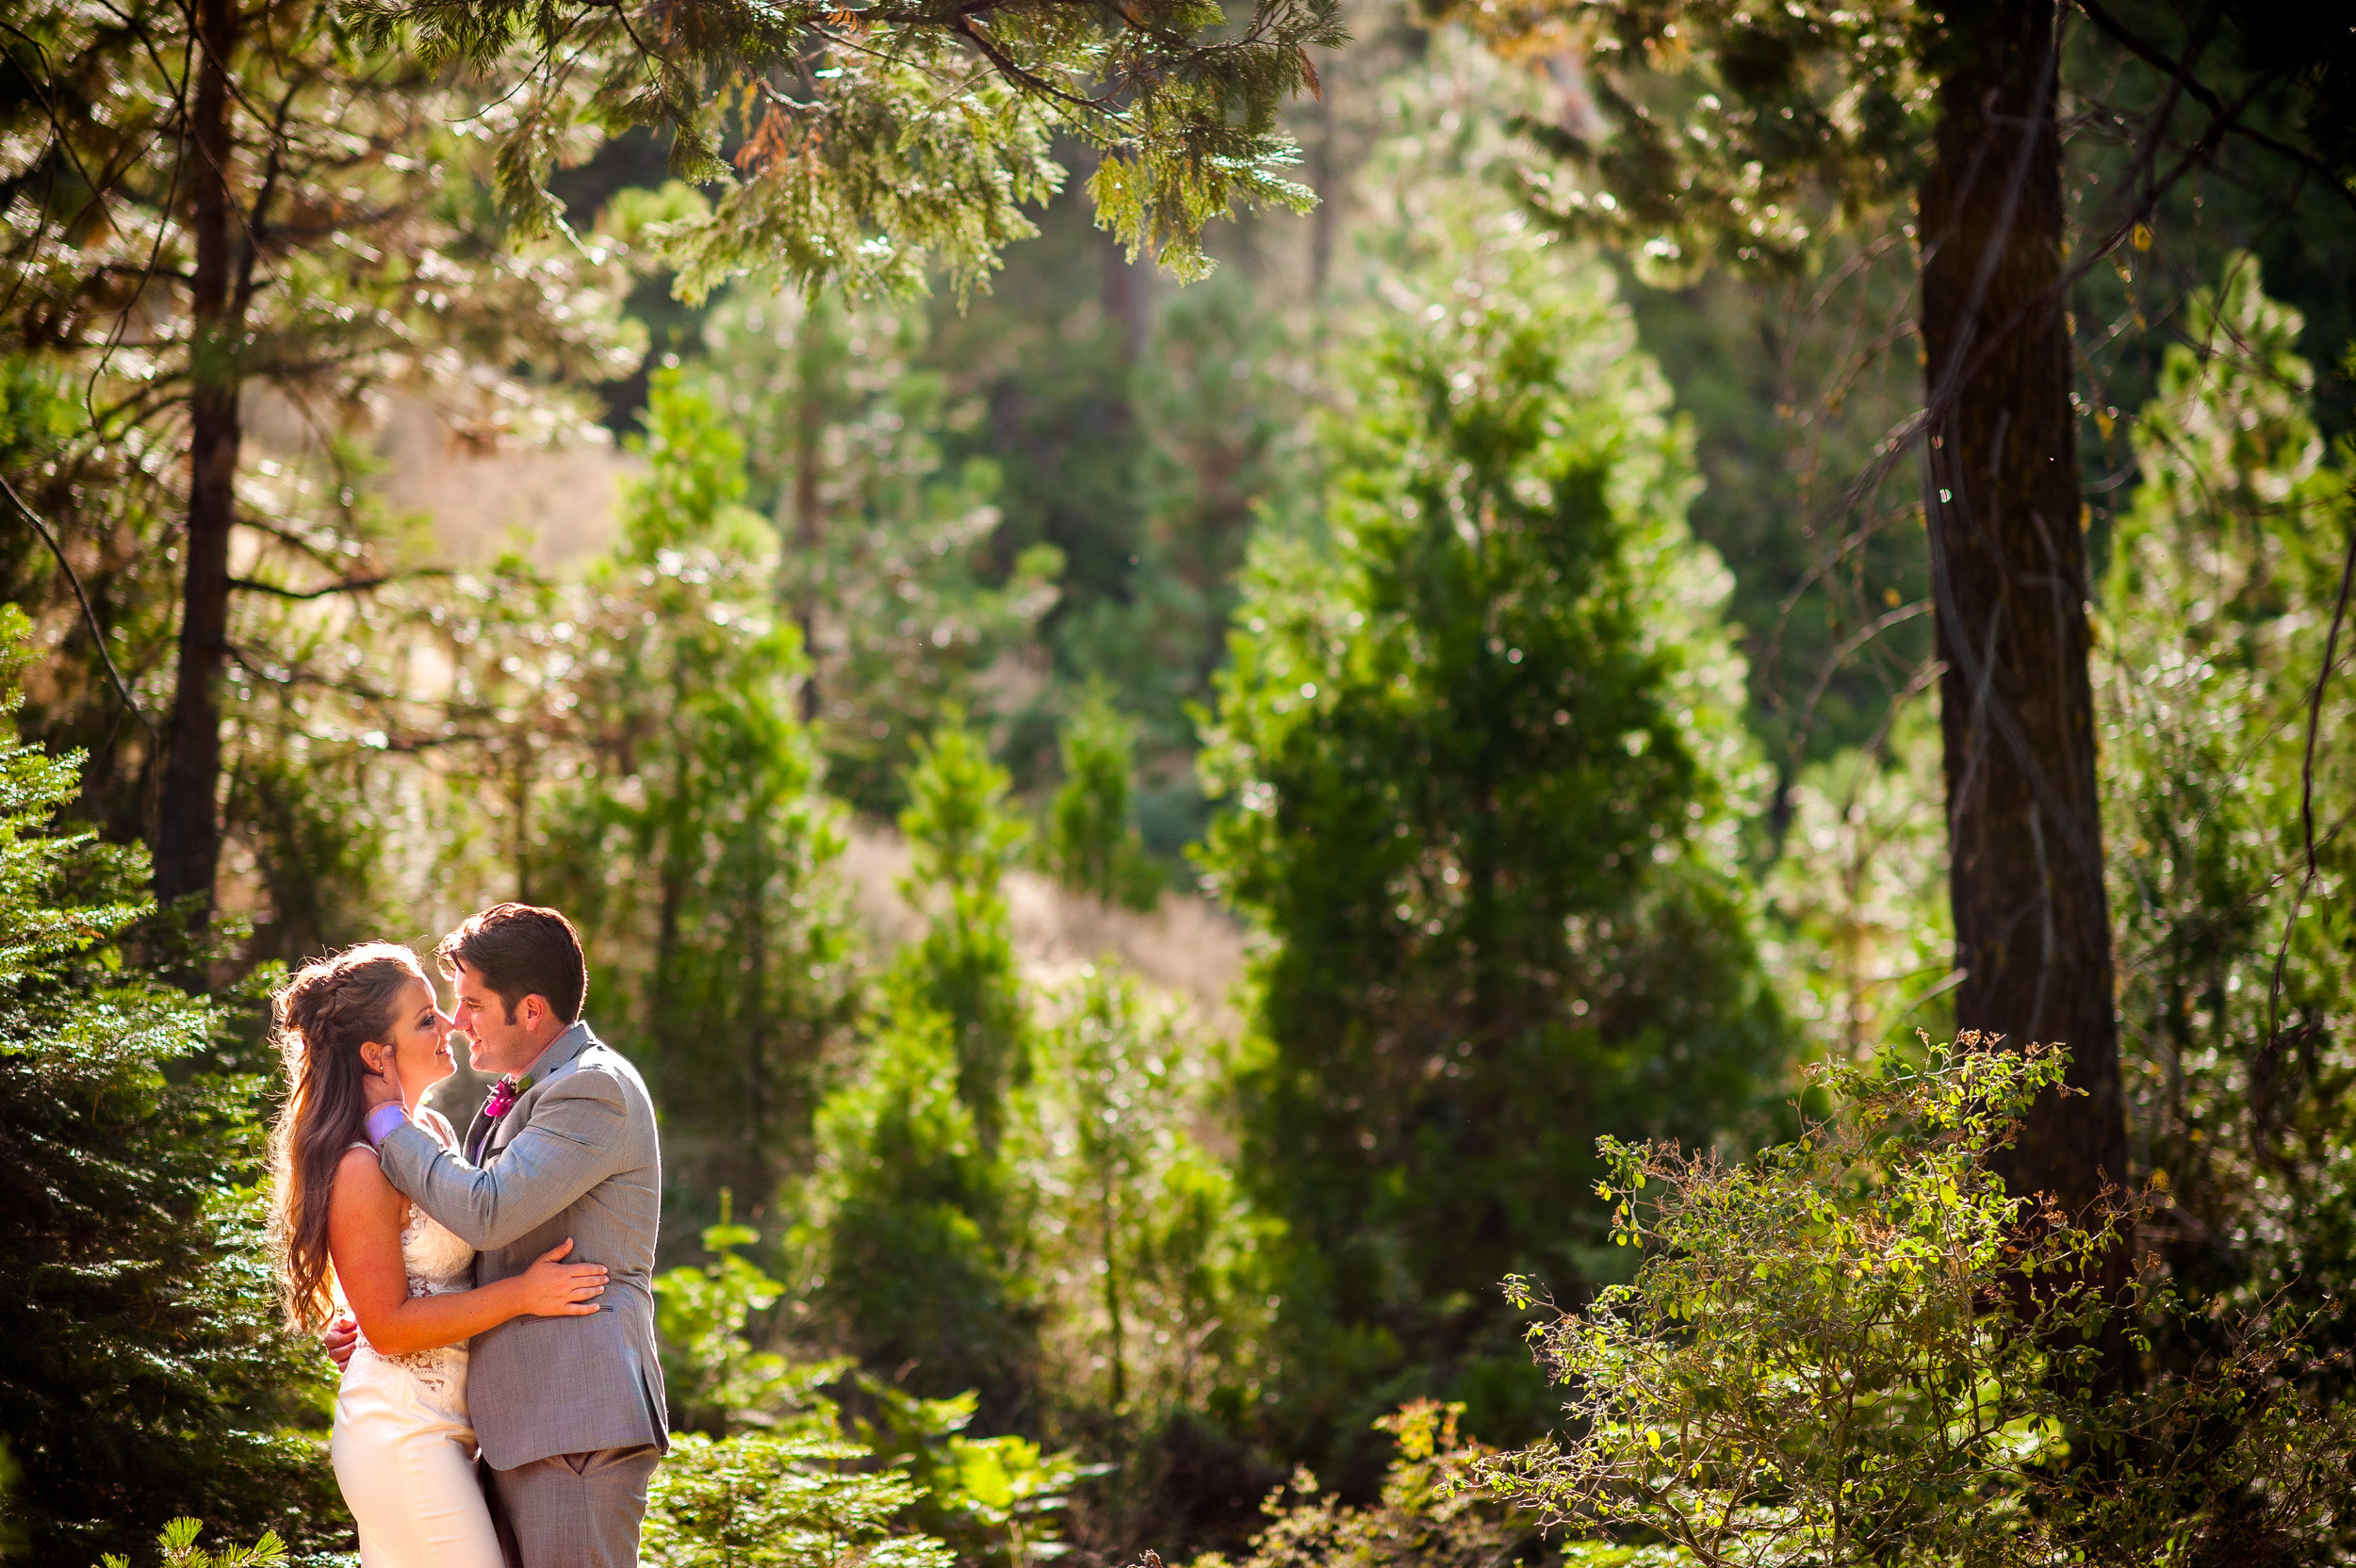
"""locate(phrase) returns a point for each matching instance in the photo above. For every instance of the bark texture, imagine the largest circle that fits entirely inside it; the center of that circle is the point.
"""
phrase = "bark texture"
(187, 827)
(2008, 561)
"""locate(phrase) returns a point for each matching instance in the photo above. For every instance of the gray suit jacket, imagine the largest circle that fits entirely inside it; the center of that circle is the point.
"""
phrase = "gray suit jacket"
(576, 1156)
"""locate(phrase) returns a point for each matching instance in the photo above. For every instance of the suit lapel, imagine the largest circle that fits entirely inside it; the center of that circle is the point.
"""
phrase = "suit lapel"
(500, 1132)
(477, 1134)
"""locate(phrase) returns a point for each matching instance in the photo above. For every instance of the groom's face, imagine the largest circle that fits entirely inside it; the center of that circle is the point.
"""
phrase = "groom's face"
(499, 1043)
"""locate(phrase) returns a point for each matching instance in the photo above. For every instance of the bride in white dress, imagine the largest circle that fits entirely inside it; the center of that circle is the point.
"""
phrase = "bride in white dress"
(404, 1444)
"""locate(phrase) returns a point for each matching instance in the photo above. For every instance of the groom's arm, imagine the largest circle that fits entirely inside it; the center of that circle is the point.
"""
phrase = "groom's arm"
(567, 1148)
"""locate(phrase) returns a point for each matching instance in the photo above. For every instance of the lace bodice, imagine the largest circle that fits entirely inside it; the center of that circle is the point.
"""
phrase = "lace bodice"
(433, 1257)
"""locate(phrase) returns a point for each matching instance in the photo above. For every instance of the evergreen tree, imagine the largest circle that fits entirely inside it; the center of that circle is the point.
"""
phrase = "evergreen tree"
(1725, 131)
(143, 1370)
(215, 204)
(1479, 731)
(1152, 1262)
(891, 567)
(690, 839)
(963, 842)
(918, 1229)
(1092, 844)
(865, 148)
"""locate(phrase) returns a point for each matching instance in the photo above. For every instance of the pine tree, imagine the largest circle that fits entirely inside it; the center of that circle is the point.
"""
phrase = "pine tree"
(1092, 844)
(682, 821)
(221, 204)
(143, 1371)
(890, 563)
(919, 1226)
(1480, 734)
(864, 147)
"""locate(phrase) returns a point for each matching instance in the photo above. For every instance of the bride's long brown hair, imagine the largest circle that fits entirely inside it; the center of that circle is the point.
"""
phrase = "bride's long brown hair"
(321, 1019)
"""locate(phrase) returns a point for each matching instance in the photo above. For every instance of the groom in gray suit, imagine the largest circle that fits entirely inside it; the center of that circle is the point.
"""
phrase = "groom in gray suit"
(570, 1410)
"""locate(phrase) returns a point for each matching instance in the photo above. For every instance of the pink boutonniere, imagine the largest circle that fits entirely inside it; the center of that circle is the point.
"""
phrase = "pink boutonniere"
(504, 1095)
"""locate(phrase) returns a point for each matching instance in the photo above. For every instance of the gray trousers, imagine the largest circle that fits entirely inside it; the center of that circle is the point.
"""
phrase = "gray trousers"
(575, 1510)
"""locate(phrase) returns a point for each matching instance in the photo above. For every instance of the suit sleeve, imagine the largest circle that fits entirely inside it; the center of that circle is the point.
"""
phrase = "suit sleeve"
(565, 1149)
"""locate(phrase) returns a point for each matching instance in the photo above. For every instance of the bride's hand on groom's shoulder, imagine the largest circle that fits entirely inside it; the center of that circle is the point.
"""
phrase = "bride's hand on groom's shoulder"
(554, 1288)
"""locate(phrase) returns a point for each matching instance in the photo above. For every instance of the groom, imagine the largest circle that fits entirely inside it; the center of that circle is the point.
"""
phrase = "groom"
(570, 1410)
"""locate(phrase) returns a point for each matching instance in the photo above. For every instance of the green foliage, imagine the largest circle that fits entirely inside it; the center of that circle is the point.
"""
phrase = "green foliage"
(779, 1502)
(1479, 730)
(888, 561)
(1728, 128)
(1433, 1511)
(1092, 845)
(864, 147)
(177, 1542)
(1861, 1347)
(2218, 608)
(1209, 436)
(906, 1214)
(411, 281)
(1865, 944)
(778, 1477)
(717, 1379)
(686, 833)
(963, 840)
(143, 1373)
(1153, 1252)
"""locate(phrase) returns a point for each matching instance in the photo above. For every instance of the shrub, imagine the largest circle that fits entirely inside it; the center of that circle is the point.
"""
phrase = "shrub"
(1859, 1346)
(1092, 845)
(1434, 1512)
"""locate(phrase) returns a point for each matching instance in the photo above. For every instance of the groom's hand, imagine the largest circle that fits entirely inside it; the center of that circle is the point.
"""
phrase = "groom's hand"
(340, 1336)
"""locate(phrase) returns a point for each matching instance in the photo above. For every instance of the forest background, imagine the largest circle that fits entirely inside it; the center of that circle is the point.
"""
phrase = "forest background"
(1139, 831)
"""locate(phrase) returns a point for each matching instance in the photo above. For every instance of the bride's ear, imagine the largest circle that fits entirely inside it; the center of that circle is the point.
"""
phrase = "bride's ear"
(377, 1058)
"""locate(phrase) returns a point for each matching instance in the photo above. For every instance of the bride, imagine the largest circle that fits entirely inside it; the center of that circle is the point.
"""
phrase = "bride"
(404, 1444)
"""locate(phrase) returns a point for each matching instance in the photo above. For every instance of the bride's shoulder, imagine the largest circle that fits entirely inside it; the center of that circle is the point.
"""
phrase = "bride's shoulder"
(360, 1181)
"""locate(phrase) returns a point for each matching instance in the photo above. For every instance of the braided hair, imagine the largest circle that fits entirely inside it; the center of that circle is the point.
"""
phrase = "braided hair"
(319, 1021)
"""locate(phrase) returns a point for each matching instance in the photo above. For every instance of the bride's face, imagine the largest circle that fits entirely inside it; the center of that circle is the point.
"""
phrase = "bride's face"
(419, 1053)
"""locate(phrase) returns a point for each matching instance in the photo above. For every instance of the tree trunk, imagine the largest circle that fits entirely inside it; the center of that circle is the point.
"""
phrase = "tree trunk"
(187, 827)
(2009, 566)
(814, 350)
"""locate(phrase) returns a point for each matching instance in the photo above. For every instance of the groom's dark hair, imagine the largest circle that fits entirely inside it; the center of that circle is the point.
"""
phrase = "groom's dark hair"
(521, 950)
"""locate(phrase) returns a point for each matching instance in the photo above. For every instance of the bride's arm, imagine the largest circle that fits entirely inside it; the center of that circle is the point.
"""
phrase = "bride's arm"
(364, 1218)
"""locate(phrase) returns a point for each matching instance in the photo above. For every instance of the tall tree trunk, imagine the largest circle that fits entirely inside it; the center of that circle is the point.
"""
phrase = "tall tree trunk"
(814, 350)
(187, 827)
(2008, 566)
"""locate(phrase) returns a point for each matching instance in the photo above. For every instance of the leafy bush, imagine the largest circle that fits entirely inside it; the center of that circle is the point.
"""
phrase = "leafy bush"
(780, 1500)
(143, 1372)
(1434, 1512)
(1859, 1346)
(770, 1478)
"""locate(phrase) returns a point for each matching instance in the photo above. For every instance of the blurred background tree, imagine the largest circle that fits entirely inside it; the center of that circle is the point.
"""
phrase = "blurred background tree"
(1482, 728)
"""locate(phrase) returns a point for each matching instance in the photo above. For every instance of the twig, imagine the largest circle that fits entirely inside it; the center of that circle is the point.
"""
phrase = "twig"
(2307, 795)
(90, 614)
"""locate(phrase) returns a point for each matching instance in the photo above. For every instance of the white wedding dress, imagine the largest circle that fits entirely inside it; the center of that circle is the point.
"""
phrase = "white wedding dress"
(404, 1444)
